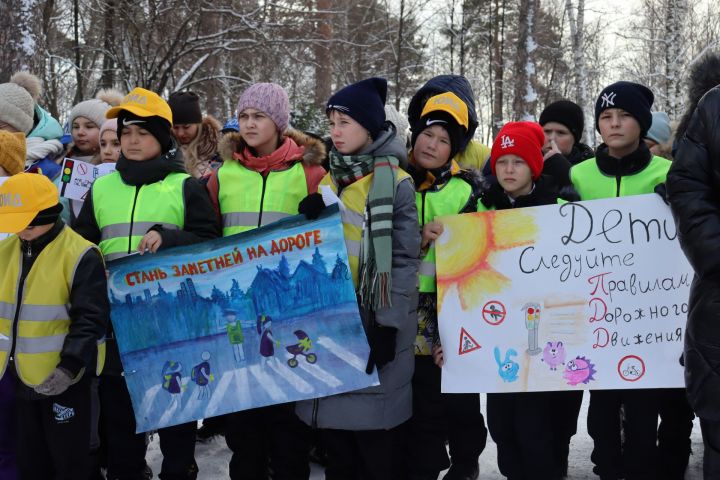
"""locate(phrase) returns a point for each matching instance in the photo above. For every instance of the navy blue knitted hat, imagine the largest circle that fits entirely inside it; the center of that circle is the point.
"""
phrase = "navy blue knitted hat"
(364, 102)
(632, 97)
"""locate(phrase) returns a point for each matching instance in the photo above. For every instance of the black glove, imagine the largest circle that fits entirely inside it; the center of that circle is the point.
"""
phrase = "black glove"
(312, 206)
(382, 346)
(662, 191)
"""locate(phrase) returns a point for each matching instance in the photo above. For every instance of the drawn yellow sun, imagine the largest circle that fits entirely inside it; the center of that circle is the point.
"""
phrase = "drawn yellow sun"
(468, 248)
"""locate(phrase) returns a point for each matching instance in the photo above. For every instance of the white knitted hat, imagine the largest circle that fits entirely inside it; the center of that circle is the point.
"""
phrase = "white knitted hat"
(94, 110)
(16, 107)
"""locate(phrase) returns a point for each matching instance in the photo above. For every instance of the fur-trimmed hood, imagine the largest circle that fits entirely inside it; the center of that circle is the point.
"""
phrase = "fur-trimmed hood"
(704, 75)
(314, 153)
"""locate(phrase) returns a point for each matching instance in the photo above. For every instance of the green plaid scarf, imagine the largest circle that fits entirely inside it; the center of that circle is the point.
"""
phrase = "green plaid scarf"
(375, 260)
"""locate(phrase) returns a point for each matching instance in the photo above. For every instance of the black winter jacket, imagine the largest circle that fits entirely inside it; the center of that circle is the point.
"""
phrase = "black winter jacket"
(693, 188)
(89, 307)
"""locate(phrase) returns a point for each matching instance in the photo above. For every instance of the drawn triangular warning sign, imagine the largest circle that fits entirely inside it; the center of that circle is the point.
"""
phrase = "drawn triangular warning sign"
(467, 342)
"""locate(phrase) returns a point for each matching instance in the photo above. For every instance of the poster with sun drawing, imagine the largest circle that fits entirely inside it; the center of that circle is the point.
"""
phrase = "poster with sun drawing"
(587, 295)
(260, 318)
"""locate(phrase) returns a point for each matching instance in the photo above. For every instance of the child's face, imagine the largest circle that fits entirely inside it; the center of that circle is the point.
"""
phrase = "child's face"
(185, 134)
(432, 148)
(561, 135)
(138, 144)
(31, 233)
(619, 129)
(86, 136)
(258, 131)
(109, 147)
(514, 175)
(348, 136)
(7, 127)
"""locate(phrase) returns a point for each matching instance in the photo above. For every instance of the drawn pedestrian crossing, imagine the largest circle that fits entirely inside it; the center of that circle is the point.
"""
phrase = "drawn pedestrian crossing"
(271, 381)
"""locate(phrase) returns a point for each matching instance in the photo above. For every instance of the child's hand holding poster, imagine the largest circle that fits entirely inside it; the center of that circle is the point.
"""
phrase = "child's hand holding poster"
(589, 295)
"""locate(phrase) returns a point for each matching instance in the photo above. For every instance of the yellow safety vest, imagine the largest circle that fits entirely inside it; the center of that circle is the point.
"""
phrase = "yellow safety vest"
(449, 200)
(591, 183)
(354, 197)
(43, 319)
(125, 213)
(248, 200)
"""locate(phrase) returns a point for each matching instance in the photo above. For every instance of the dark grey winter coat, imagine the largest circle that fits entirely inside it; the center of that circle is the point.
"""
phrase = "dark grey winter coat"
(693, 187)
(390, 403)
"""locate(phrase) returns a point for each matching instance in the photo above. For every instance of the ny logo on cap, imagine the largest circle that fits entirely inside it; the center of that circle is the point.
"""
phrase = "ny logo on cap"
(506, 142)
(608, 99)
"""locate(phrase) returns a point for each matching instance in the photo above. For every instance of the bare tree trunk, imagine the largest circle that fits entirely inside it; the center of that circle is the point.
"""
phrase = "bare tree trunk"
(577, 36)
(525, 96)
(676, 10)
(323, 57)
(498, 65)
(107, 79)
(76, 46)
(21, 36)
(399, 59)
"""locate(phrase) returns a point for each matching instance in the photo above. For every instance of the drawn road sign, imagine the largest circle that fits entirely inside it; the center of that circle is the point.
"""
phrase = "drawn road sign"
(494, 312)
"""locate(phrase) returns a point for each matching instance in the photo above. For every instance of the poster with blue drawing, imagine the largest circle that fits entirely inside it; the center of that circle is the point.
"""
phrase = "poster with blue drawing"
(264, 317)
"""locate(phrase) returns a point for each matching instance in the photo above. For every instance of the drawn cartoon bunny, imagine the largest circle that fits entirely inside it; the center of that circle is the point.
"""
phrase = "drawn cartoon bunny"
(507, 369)
(554, 354)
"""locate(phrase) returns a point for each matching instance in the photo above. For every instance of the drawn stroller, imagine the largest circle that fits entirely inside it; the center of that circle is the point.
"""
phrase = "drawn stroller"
(302, 348)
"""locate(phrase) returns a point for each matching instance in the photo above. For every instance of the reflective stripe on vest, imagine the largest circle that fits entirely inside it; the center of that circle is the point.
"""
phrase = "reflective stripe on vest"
(449, 200)
(354, 197)
(247, 200)
(43, 320)
(124, 217)
(591, 184)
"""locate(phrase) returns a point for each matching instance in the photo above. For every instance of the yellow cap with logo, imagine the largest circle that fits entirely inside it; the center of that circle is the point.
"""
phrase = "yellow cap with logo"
(143, 103)
(450, 103)
(22, 197)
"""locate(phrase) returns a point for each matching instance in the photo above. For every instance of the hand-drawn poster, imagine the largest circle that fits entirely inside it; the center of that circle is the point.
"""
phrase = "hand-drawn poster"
(588, 295)
(76, 177)
(264, 317)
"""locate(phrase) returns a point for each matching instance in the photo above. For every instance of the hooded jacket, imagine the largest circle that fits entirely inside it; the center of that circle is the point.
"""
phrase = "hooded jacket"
(693, 183)
(389, 404)
(456, 84)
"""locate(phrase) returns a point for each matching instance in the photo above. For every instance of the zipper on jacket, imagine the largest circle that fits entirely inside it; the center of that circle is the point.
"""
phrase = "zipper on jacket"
(262, 199)
(422, 217)
(618, 179)
(132, 218)
(18, 300)
(316, 404)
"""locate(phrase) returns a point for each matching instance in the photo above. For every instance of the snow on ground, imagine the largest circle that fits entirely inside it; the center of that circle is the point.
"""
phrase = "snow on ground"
(213, 457)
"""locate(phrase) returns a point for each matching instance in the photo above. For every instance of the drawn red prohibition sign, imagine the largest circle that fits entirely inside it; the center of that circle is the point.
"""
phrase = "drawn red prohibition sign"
(82, 169)
(494, 312)
(467, 343)
(631, 368)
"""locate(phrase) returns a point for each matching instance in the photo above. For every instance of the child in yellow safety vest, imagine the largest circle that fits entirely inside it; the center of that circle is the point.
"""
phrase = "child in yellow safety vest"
(362, 430)
(53, 314)
(443, 188)
(149, 203)
(268, 169)
(623, 166)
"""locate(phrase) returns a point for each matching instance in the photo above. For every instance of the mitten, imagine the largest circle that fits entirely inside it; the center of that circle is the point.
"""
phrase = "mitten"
(56, 383)
(312, 206)
(382, 346)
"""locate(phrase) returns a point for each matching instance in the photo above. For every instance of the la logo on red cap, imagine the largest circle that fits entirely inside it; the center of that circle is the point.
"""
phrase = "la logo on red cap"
(506, 142)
